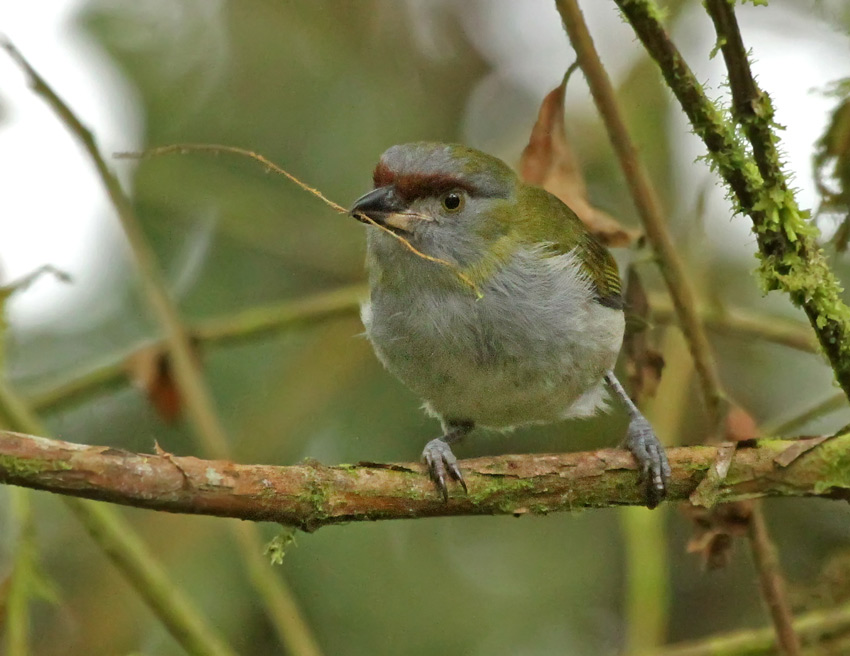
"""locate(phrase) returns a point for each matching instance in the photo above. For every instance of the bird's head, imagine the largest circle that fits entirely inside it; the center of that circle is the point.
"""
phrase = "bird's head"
(447, 200)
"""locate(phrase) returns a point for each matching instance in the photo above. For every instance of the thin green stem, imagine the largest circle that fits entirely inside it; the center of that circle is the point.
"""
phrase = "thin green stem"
(791, 424)
(195, 393)
(649, 208)
(818, 628)
(742, 323)
(253, 323)
(17, 620)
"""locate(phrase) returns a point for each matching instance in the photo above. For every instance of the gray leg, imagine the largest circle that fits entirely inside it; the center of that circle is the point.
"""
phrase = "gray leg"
(644, 445)
(440, 459)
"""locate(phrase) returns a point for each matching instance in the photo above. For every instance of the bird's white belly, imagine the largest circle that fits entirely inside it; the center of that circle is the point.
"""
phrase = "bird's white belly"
(513, 357)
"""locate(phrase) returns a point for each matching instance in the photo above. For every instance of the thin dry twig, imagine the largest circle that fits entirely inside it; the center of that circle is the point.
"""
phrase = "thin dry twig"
(649, 208)
(184, 148)
(291, 627)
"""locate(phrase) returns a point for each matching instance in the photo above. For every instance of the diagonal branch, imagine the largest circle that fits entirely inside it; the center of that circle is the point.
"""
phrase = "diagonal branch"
(312, 495)
(649, 208)
(791, 258)
(281, 606)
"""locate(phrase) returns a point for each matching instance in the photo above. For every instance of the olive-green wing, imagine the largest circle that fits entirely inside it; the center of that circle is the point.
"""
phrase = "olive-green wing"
(553, 222)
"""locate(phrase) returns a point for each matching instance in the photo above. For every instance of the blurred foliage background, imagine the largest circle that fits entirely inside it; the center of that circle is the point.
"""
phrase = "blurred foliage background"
(322, 88)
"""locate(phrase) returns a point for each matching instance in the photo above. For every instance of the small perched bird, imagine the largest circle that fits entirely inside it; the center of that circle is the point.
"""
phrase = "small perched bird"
(539, 340)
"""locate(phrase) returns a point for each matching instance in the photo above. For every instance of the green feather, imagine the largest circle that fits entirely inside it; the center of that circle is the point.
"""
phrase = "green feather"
(543, 218)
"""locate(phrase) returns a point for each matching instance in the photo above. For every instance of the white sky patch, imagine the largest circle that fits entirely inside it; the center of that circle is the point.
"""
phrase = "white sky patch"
(53, 209)
(795, 56)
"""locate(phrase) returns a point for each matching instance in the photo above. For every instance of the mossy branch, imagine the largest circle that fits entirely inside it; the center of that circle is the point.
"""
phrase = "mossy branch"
(649, 208)
(791, 258)
(122, 545)
(311, 495)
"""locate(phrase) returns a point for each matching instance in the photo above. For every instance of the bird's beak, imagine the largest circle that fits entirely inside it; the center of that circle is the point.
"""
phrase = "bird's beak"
(384, 207)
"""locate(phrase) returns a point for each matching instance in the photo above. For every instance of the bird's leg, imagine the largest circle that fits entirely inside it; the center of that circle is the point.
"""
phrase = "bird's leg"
(645, 446)
(440, 459)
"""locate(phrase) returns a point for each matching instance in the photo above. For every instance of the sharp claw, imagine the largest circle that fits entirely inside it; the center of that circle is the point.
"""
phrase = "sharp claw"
(454, 470)
(440, 481)
(648, 451)
(440, 459)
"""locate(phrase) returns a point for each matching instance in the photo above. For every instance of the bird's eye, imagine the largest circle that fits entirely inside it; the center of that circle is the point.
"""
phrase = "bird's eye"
(452, 201)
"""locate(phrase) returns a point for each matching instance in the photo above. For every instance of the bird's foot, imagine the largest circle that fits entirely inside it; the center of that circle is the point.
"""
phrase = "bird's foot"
(441, 461)
(649, 452)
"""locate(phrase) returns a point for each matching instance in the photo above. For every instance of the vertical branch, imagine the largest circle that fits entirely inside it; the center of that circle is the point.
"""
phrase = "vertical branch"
(649, 208)
(289, 623)
(772, 584)
(753, 110)
(791, 258)
(123, 547)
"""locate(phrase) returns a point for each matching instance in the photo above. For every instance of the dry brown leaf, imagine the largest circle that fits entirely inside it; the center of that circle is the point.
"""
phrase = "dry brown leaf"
(644, 364)
(150, 370)
(715, 530)
(549, 162)
(798, 448)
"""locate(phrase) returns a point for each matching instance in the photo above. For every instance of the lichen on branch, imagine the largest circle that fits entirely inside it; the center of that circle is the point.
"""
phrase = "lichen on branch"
(312, 495)
(791, 259)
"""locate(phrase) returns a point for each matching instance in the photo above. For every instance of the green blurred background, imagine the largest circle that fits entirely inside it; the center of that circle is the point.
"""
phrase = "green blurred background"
(322, 88)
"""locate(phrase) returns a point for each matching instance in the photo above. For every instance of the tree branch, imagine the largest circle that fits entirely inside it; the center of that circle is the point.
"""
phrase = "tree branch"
(826, 629)
(312, 495)
(791, 258)
(739, 322)
(282, 608)
(122, 545)
(252, 323)
(649, 208)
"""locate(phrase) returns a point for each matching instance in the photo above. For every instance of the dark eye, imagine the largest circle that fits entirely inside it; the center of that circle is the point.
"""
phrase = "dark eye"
(452, 201)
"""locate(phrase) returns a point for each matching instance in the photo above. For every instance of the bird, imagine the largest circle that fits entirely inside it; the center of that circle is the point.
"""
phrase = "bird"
(492, 301)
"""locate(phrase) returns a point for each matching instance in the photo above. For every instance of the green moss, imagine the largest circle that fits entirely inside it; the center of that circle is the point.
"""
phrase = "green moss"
(835, 455)
(25, 467)
(499, 486)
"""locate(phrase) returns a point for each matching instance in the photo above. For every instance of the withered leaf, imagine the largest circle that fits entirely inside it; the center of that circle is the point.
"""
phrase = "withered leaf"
(740, 425)
(549, 161)
(715, 530)
(798, 448)
(150, 370)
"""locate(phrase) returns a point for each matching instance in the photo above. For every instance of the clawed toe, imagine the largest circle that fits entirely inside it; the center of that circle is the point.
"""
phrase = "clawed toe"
(649, 452)
(442, 462)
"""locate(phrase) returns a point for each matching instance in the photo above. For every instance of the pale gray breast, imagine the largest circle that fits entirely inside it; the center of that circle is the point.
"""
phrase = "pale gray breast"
(536, 315)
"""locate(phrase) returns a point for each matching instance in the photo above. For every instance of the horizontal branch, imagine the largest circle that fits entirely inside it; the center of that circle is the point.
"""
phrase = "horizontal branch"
(253, 323)
(740, 322)
(312, 495)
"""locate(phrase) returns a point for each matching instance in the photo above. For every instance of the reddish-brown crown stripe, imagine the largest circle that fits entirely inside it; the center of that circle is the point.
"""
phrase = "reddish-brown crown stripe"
(417, 185)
